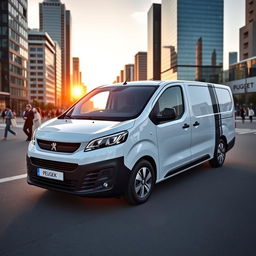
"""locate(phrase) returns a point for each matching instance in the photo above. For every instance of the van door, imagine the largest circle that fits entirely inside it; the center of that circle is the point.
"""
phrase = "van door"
(202, 122)
(174, 136)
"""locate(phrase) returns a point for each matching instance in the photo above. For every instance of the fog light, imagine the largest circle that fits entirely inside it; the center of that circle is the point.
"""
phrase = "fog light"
(105, 184)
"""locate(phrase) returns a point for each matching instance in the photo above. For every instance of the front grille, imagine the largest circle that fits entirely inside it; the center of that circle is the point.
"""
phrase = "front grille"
(64, 147)
(53, 165)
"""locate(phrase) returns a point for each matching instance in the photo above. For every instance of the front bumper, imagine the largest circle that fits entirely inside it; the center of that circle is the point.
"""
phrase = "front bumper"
(82, 179)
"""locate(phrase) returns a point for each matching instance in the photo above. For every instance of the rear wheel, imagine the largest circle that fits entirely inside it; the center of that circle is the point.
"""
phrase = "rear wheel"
(141, 183)
(220, 155)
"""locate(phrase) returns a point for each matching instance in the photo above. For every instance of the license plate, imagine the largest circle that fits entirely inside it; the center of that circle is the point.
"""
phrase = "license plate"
(50, 174)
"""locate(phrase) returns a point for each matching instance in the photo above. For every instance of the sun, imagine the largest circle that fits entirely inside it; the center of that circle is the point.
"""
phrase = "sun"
(77, 92)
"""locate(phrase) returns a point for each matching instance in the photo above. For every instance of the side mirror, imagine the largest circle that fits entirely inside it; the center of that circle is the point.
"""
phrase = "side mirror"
(167, 114)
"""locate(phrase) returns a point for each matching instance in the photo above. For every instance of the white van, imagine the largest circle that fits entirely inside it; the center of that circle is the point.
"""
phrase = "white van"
(125, 138)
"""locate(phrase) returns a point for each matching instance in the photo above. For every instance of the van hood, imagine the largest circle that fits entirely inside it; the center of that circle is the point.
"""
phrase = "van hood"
(74, 130)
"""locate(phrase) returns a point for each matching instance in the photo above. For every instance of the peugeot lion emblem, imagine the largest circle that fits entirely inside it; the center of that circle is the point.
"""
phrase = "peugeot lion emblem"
(54, 146)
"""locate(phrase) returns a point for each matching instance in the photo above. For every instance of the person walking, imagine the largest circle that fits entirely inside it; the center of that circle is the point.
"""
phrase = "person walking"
(250, 114)
(37, 118)
(28, 117)
(242, 113)
(8, 116)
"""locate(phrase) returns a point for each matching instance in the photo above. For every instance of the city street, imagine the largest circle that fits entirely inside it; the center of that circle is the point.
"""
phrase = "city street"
(203, 211)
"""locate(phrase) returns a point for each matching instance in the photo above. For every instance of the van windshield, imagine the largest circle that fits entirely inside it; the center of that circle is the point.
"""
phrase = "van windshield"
(112, 103)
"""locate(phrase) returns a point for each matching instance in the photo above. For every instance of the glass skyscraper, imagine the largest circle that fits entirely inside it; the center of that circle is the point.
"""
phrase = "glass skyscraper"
(13, 54)
(56, 21)
(154, 43)
(192, 40)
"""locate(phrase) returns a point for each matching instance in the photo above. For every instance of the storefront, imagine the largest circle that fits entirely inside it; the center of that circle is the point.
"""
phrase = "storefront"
(244, 91)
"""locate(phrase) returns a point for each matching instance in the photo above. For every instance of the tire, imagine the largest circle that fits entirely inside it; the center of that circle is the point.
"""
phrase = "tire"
(220, 155)
(141, 183)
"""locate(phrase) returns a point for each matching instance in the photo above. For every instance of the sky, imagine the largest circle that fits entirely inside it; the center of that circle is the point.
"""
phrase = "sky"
(107, 34)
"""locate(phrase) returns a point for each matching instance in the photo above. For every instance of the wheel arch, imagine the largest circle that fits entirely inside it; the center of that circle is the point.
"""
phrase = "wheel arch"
(152, 161)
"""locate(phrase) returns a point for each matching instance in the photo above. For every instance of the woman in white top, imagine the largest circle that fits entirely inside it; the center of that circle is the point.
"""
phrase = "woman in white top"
(251, 114)
(37, 118)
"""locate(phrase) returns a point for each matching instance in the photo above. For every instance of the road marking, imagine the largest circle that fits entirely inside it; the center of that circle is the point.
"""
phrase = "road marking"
(245, 131)
(18, 177)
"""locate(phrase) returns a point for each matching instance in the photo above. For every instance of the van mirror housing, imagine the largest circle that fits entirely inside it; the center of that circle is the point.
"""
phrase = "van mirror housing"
(168, 114)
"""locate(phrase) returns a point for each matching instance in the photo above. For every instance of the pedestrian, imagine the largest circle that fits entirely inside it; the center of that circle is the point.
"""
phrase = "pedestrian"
(8, 117)
(28, 117)
(37, 118)
(242, 112)
(251, 114)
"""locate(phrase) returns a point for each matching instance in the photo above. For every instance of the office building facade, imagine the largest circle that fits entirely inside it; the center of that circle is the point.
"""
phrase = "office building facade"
(13, 54)
(76, 71)
(154, 43)
(232, 58)
(56, 21)
(241, 77)
(121, 76)
(191, 40)
(248, 32)
(140, 66)
(129, 72)
(44, 69)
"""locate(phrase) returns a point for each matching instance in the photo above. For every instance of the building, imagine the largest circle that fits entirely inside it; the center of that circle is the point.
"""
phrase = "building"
(117, 79)
(76, 71)
(121, 76)
(56, 21)
(248, 32)
(58, 77)
(13, 54)
(241, 77)
(191, 40)
(129, 73)
(154, 43)
(232, 58)
(140, 66)
(44, 69)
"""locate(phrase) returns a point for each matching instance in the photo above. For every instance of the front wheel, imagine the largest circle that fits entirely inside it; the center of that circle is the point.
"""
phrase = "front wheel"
(219, 155)
(141, 183)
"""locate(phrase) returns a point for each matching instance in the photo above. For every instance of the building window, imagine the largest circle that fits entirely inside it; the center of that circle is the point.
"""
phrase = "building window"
(245, 34)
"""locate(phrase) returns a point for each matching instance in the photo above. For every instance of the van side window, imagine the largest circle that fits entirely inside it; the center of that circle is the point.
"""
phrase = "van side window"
(224, 99)
(171, 98)
(200, 100)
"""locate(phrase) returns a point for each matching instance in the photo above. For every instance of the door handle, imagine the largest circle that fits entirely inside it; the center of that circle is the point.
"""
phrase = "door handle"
(185, 126)
(196, 124)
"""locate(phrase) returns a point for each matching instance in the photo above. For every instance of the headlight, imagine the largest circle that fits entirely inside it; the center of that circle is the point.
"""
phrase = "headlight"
(107, 141)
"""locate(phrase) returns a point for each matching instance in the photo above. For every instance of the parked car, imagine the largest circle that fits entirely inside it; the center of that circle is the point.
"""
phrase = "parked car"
(124, 138)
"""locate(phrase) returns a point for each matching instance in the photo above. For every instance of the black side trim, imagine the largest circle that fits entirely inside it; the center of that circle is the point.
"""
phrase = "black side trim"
(188, 165)
(231, 144)
(217, 115)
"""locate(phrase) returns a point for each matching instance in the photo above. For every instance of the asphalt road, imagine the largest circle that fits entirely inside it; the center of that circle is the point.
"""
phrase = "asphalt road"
(204, 211)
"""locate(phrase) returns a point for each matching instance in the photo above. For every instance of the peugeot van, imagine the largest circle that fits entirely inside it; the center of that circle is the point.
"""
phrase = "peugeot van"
(122, 139)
